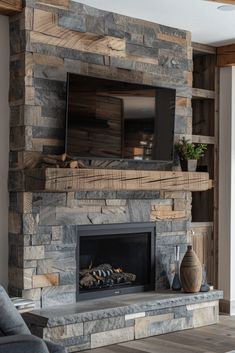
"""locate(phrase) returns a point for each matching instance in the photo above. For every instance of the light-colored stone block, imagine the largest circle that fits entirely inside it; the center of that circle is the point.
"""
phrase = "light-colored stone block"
(28, 273)
(34, 252)
(149, 326)
(63, 332)
(56, 233)
(33, 294)
(117, 202)
(112, 337)
(48, 280)
(202, 305)
(205, 316)
(134, 316)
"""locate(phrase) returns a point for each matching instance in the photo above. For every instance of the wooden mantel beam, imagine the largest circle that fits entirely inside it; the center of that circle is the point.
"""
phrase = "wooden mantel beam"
(10, 7)
(226, 55)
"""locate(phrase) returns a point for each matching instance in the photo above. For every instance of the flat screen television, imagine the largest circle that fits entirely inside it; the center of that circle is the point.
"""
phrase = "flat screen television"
(119, 120)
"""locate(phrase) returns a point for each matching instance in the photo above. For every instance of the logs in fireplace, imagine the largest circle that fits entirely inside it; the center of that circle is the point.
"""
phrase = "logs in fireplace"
(115, 259)
(104, 276)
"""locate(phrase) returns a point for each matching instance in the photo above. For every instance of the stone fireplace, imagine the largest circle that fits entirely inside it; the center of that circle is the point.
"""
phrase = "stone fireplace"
(47, 42)
(51, 221)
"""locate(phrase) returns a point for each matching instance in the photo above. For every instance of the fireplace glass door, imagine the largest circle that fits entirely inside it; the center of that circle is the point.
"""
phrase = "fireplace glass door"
(114, 259)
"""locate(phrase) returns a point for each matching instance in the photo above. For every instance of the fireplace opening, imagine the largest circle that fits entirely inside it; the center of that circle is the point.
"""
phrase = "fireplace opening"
(115, 259)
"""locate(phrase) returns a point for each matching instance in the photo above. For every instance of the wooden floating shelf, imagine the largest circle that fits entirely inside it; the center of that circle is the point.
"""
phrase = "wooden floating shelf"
(209, 140)
(64, 180)
(199, 93)
(10, 7)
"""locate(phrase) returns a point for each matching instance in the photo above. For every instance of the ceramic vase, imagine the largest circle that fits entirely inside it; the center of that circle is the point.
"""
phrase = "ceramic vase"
(191, 272)
(189, 165)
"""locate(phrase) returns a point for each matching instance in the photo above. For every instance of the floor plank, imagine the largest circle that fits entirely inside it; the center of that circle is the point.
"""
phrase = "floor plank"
(218, 338)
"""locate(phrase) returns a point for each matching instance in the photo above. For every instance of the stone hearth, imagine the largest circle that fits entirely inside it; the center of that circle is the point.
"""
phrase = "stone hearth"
(102, 322)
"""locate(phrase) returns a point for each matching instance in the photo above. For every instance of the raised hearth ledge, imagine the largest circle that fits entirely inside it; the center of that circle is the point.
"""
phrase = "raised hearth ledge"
(101, 322)
(65, 179)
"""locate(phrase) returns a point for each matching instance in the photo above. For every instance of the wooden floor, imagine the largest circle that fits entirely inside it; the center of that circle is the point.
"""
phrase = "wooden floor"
(218, 338)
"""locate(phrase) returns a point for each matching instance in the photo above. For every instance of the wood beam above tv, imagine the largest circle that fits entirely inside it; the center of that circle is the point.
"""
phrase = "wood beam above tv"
(10, 7)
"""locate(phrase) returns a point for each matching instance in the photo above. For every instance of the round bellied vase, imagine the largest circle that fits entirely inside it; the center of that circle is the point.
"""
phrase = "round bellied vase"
(191, 272)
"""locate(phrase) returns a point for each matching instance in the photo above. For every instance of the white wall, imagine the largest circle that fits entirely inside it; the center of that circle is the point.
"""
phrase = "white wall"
(4, 146)
(227, 186)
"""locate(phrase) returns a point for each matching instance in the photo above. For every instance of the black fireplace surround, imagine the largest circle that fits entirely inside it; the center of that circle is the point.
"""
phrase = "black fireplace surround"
(114, 259)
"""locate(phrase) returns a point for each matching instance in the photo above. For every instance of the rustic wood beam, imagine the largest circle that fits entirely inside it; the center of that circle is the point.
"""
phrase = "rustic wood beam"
(232, 2)
(226, 55)
(65, 179)
(10, 7)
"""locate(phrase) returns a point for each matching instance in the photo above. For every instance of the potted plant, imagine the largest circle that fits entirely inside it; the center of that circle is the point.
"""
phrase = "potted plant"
(189, 153)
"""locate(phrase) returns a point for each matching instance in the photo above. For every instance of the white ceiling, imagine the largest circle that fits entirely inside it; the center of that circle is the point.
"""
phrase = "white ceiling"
(207, 24)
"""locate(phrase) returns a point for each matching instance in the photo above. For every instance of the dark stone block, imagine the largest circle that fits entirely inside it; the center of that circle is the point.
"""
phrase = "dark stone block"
(163, 226)
(95, 24)
(115, 33)
(47, 132)
(95, 195)
(17, 38)
(76, 23)
(55, 113)
(173, 31)
(53, 149)
(44, 229)
(181, 125)
(178, 226)
(60, 251)
(70, 234)
(13, 201)
(122, 63)
(139, 210)
(41, 239)
(68, 277)
(140, 50)
(138, 194)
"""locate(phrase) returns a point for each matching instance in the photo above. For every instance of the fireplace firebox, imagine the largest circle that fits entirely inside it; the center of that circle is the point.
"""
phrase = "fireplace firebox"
(115, 259)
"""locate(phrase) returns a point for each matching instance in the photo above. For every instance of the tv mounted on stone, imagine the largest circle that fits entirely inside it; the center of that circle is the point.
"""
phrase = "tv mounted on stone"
(119, 120)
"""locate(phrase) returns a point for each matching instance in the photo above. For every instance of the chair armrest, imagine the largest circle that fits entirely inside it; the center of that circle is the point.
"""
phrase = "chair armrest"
(22, 344)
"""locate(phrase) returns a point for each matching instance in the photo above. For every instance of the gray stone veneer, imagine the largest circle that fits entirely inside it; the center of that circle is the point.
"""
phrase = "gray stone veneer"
(42, 262)
(48, 248)
(103, 322)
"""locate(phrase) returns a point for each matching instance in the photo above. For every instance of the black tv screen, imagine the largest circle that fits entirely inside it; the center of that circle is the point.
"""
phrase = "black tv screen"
(119, 120)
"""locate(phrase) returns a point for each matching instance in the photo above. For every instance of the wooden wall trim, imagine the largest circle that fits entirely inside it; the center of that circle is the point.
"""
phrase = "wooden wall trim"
(10, 7)
(232, 2)
(226, 55)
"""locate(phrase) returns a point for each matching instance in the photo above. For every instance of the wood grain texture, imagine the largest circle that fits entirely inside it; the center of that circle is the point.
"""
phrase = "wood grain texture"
(203, 93)
(10, 7)
(199, 48)
(226, 55)
(60, 179)
(232, 2)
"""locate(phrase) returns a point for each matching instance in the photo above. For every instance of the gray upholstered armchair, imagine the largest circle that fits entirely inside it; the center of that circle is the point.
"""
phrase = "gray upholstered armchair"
(15, 335)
